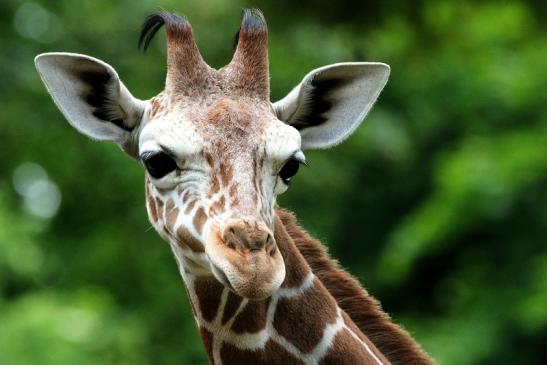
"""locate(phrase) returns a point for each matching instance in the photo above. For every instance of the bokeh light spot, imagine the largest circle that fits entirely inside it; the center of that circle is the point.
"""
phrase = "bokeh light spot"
(41, 196)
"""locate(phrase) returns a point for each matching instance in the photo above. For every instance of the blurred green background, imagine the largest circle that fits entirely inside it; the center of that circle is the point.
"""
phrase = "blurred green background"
(437, 203)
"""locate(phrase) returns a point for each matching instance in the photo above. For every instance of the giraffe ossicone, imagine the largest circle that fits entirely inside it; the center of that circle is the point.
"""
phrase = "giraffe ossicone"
(217, 153)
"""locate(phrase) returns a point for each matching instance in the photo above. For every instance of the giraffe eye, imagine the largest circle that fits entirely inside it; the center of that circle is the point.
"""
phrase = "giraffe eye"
(158, 164)
(289, 170)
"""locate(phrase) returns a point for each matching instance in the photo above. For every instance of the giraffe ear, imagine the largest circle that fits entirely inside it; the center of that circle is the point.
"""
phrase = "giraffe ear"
(331, 101)
(90, 95)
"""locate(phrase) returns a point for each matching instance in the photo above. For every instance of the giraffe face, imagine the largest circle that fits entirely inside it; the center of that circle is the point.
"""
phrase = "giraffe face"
(215, 149)
(214, 169)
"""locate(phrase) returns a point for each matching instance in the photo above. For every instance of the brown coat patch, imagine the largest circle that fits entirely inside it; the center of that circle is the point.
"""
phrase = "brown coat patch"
(352, 326)
(302, 320)
(233, 191)
(346, 350)
(226, 173)
(272, 354)
(363, 309)
(208, 292)
(215, 185)
(209, 158)
(232, 303)
(199, 219)
(159, 207)
(169, 206)
(252, 318)
(152, 209)
(218, 206)
(184, 237)
(171, 215)
(190, 206)
(185, 197)
(207, 339)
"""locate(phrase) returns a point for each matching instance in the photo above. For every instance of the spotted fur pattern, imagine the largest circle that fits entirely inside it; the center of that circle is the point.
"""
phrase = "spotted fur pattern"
(300, 324)
(217, 210)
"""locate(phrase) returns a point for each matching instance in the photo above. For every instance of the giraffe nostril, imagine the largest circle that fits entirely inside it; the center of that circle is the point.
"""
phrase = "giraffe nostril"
(247, 236)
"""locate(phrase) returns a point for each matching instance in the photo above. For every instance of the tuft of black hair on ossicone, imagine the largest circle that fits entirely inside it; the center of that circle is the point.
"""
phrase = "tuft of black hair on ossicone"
(250, 19)
(154, 22)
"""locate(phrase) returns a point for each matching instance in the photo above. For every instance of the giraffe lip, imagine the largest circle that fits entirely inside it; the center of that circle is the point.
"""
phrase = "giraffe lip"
(221, 276)
(256, 285)
(253, 275)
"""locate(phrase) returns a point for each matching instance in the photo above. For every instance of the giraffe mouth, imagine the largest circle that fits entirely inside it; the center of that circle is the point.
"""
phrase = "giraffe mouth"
(220, 276)
(252, 274)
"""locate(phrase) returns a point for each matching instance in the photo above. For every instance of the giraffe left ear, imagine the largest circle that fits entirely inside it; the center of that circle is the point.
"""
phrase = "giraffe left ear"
(91, 96)
(331, 101)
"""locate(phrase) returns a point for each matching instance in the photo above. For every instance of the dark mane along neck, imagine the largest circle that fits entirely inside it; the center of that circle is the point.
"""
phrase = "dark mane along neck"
(391, 339)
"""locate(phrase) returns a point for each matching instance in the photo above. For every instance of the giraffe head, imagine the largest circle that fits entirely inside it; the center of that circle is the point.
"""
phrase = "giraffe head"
(216, 151)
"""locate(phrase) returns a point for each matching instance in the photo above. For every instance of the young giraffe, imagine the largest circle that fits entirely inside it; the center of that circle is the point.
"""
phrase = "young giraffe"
(217, 153)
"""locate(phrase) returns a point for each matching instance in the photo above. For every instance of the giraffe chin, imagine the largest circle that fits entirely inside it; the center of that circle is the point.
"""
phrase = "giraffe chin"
(254, 275)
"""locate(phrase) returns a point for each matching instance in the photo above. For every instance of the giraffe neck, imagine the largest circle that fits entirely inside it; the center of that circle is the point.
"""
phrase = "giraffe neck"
(300, 324)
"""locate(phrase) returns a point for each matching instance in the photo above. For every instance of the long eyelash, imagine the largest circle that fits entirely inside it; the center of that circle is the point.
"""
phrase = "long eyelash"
(301, 162)
(146, 155)
(304, 163)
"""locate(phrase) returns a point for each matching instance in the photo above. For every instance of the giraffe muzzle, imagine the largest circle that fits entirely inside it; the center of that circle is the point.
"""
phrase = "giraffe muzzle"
(246, 259)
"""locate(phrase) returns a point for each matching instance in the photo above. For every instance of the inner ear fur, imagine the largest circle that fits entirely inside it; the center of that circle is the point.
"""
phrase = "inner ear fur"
(331, 101)
(91, 96)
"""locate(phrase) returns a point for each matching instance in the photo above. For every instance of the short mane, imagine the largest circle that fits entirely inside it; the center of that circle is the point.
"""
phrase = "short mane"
(391, 339)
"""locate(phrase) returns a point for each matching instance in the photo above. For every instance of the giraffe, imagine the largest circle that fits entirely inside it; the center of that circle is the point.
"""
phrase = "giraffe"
(216, 154)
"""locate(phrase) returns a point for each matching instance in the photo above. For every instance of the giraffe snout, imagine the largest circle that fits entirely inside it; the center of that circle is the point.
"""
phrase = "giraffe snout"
(244, 256)
(244, 236)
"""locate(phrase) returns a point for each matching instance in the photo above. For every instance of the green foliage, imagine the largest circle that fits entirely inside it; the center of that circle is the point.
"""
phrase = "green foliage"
(437, 203)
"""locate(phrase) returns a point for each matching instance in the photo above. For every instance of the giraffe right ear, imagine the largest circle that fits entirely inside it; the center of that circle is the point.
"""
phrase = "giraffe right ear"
(331, 101)
(91, 96)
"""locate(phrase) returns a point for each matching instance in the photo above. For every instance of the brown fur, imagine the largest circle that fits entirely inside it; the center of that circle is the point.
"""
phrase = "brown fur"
(199, 219)
(185, 238)
(297, 269)
(273, 353)
(207, 339)
(392, 340)
(295, 313)
(190, 206)
(171, 215)
(159, 207)
(208, 291)
(152, 208)
(345, 350)
(187, 72)
(252, 318)
(248, 69)
(232, 303)
(218, 206)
